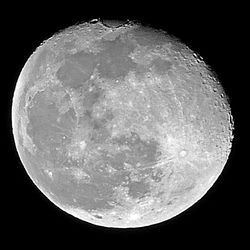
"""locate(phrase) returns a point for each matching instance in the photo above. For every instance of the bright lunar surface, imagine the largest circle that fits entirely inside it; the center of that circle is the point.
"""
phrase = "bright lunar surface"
(120, 125)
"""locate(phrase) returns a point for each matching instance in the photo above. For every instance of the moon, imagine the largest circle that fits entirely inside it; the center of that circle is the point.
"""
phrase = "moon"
(119, 124)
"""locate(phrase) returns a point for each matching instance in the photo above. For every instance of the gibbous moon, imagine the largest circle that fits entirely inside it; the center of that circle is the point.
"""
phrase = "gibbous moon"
(120, 125)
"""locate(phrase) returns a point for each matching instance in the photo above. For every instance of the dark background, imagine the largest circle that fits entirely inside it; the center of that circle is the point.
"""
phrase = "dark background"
(217, 218)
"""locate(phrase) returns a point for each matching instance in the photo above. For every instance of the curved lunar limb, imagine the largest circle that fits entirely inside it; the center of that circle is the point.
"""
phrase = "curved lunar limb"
(120, 125)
